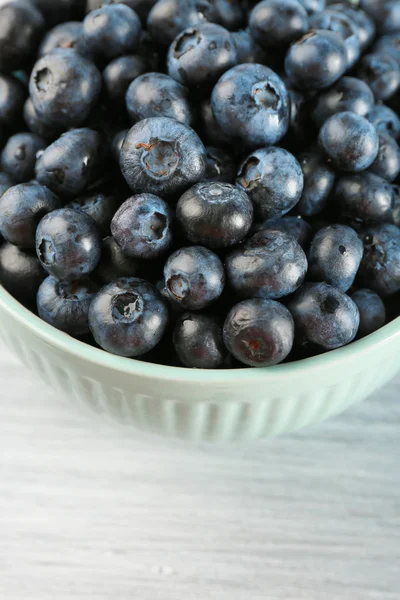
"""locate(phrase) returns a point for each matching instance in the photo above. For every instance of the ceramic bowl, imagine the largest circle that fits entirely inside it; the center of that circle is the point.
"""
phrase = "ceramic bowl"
(220, 405)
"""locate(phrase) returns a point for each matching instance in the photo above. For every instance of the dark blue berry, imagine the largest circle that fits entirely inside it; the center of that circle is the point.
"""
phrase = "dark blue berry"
(364, 198)
(64, 35)
(210, 130)
(119, 74)
(12, 98)
(388, 44)
(162, 156)
(5, 183)
(66, 305)
(100, 206)
(294, 226)
(68, 244)
(258, 332)
(381, 72)
(319, 179)
(365, 25)
(386, 14)
(385, 120)
(338, 22)
(270, 265)
(194, 277)
(20, 273)
(273, 179)
(247, 50)
(37, 125)
(350, 141)
(220, 165)
(114, 263)
(142, 226)
(313, 6)
(198, 341)
(380, 266)
(372, 311)
(18, 157)
(215, 214)
(21, 26)
(387, 163)
(278, 23)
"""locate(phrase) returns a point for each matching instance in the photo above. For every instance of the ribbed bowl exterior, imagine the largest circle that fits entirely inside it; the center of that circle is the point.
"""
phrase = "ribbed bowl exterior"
(243, 404)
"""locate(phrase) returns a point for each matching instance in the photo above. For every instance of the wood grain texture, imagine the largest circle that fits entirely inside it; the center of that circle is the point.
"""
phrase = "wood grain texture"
(89, 510)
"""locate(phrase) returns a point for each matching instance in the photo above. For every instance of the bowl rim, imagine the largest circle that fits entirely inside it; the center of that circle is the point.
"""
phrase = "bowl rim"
(131, 366)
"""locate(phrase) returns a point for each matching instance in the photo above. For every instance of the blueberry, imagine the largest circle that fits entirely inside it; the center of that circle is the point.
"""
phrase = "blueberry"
(294, 226)
(110, 31)
(5, 183)
(316, 61)
(162, 156)
(258, 332)
(364, 198)
(210, 129)
(380, 266)
(72, 163)
(381, 72)
(313, 6)
(385, 120)
(64, 35)
(324, 315)
(388, 44)
(128, 317)
(278, 23)
(18, 157)
(200, 55)
(198, 341)
(62, 10)
(157, 95)
(114, 263)
(350, 141)
(319, 180)
(372, 311)
(338, 22)
(142, 226)
(273, 179)
(119, 74)
(334, 256)
(194, 277)
(68, 244)
(66, 305)
(230, 13)
(12, 98)
(64, 87)
(251, 102)
(387, 163)
(20, 273)
(21, 209)
(269, 265)
(348, 94)
(365, 25)
(101, 206)
(21, 26)
(141, 7)
(247, 50)
(220, 165)
(37, 125)
(386, 14)
(169, 17)
(215, 214)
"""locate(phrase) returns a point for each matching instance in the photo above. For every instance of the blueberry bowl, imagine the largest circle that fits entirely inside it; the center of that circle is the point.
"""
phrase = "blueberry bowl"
(218, 405)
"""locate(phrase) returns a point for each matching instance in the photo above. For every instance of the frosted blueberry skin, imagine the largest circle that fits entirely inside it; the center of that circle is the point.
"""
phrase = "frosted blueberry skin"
(334, 256)
(114, 263)
(387, 162)
(385, 120)
(20, 273)
(128, 317)
(64, 35)
(111, 31)
(381, 72)
(100, 206)
(338, 22)
(278, 23)
(269, 265)
(372, 311)
(142, 226)
(21, 26)
(66, 305)
(350, 141)
(198, 341)
(5, 183)
(162, 156)
(364, 198)
(158, 95)
(313, 6)
(119, 74)
(251, 102)
(194, 278)
(68, 244)
(220, 165)
(214, 214)
(200, 55)
(348, 94)
(366, 29)
(12, 98)
(388, 44)
(37, 125)
(273, 180)
(324, 316)
(319, 180)
(71, 163)
(293, 225)
(21, 209)
(316, 61)
(18, 157)
(58, 102)
(259, 332)
(385, 14)
(247, 50)
(380, 266)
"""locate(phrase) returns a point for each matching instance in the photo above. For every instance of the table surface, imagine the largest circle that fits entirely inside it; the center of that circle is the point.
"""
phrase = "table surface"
(89, 510)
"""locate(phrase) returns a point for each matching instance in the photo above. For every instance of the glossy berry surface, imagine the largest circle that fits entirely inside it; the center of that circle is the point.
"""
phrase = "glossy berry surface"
(20, 272)
(319, 179)
(5, 183)
(372, 311)
(169, 17)
(365, 25)
(68, 244)
(385, 120)
(18, 157)
(194, 277)
(12, 98)
(380, 266)
(114, 263)
(382, 73)
(64, 35)
(278, 23)
(21, 26)
(387, 162)
(364, 198)
(119, 74)
(198, 341)
(220, 165)
(36, 125)
(295, 226)
(100, 206)
(258, 332)
(338, 22)
(215, 214)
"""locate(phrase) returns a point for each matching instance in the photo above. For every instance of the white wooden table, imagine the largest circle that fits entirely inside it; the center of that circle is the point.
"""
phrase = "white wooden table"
(92, 511)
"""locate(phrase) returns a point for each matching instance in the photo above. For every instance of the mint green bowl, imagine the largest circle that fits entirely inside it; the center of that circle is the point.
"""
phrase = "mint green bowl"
(242, 404)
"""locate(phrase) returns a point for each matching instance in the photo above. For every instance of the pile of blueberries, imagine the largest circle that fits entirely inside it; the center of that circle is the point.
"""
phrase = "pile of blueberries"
(202, 183)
